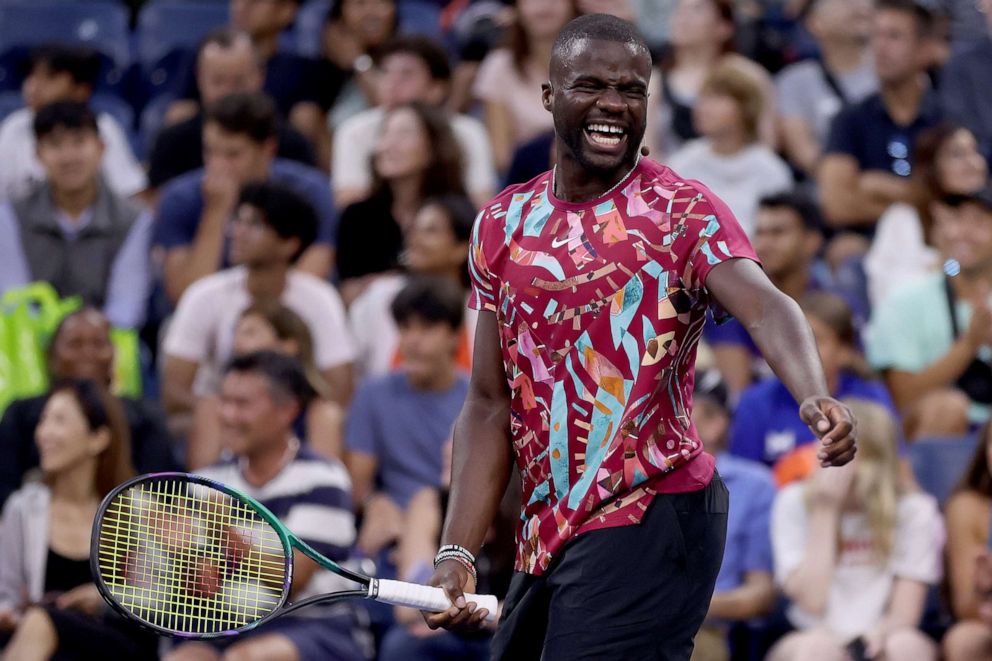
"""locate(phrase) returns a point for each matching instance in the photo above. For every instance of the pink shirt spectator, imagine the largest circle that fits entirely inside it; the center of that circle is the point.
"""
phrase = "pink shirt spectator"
(499, 81)
(601, 304)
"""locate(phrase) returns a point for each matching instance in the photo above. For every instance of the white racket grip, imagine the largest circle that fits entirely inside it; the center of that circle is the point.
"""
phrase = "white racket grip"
(424, 597)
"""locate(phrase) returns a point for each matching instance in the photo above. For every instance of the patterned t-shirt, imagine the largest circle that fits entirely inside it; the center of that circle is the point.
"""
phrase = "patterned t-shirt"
(600, 305)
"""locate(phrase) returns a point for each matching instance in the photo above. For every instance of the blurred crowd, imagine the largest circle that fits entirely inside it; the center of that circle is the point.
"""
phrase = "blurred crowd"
(274, 200)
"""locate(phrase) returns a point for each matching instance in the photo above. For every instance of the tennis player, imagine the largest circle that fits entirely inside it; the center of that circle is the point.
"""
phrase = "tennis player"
(593, 281)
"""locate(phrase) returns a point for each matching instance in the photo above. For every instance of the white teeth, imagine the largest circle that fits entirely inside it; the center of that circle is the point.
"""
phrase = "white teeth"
(605, 128)
(603, 140)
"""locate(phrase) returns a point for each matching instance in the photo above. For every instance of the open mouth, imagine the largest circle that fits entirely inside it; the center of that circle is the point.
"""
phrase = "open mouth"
(605, 135)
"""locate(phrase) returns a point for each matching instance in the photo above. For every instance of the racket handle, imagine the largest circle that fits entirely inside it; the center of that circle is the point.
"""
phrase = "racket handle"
(424, 597)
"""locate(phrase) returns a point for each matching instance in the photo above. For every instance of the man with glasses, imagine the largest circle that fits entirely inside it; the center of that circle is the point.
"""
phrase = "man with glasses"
(867, 159)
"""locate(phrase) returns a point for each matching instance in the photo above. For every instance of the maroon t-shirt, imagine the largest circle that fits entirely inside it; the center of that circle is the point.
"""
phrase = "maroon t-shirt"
(599, 306)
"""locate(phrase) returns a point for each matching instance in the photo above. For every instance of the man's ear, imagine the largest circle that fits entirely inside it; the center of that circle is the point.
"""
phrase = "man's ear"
(547, 96)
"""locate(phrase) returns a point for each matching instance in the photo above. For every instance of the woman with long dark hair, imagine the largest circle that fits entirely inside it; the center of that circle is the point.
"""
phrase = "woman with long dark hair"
(47, 594)
(416, 157)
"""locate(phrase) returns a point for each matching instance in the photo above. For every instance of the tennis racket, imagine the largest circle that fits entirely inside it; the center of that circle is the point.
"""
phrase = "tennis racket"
(193, 558)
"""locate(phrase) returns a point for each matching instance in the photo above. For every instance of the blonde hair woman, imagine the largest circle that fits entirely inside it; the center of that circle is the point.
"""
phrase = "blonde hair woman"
(856, 549)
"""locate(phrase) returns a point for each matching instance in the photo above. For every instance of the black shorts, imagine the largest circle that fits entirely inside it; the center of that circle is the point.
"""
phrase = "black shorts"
(634, 592)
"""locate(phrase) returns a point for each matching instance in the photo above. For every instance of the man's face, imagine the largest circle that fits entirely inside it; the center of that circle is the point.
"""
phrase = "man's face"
(253, 241)
(842, 20)
(251, 418)
(782, 242)
(405, 78)
(235, 154)
(427, 348)
(71, 158)
(964, 233)
(598, 96)
(43, 86)
(262, 18)
(897, 45)
(223, 71)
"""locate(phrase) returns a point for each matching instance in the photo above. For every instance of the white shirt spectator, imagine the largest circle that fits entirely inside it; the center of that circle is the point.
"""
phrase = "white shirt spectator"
(861, 585)
(354, 143)
(804, 92)
(202, 330)
(20, 168)
(740, 180)
(898, 253)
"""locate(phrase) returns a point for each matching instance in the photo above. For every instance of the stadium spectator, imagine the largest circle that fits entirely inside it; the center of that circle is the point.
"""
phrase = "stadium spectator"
(80, 348)
(262, 394)
(62, 73)
(788, 235)
(969, 563)
(766, 427)
(865, 167)
(270, 326)
(71, 229)
(744, 587)
(966, 82)
(271, 227)
(47, 594)
(810, 93)
(856, 551)
(936, 364)
(353, 33)
(702, 33)
(509, 79)
(946, 161)
(728, 156)
(239, 146)
(398, 423)
(416, 157)
(226, 62)
(436, 244)
(291, 80)
(411, 70)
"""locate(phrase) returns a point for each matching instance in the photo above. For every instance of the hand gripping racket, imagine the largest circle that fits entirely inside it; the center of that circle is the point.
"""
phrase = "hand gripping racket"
(189, 557)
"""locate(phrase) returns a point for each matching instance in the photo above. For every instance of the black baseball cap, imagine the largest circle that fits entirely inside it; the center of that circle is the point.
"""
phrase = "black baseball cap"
(710, 385)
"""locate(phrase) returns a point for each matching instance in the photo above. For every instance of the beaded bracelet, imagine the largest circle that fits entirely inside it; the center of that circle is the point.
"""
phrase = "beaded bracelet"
(462, 561)
(461, 550)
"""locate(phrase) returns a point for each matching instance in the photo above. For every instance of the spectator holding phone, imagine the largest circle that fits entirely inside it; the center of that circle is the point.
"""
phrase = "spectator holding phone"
(856, 550)
(969, 561)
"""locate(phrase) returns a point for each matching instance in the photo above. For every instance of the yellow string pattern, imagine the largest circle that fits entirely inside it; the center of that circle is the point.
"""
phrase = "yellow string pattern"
(189, 558)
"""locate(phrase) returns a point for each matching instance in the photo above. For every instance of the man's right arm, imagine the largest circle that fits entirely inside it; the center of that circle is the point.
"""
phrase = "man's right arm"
(481, 467)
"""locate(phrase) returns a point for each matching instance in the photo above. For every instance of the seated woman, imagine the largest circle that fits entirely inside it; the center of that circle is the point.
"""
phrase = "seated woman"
(80, 349)
(767, 427)
(856, 551)
(416, 157)
(47, 595)
(436, 244)
(274, 327)
(969, 562)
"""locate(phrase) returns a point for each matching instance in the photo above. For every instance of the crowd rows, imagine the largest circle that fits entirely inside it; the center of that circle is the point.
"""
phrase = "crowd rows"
(293, 252)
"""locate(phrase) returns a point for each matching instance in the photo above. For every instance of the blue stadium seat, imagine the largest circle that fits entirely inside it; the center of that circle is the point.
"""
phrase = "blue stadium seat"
(9, 102)
(308, 27)
(939, 463)
(165, 26)
(420, 17)
(99, 24)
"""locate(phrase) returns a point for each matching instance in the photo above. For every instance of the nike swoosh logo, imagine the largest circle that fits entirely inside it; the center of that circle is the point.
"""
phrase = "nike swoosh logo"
(555, 243)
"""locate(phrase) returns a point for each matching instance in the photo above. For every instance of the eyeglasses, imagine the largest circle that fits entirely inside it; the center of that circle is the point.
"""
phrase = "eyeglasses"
(898, 151)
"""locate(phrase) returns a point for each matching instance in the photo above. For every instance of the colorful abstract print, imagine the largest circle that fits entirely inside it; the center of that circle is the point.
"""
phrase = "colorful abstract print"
(600, 306)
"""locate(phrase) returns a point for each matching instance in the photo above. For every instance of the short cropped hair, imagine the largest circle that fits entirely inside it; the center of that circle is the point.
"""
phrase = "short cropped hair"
(922, 16)
(64, 115)
(433, 299)
(81, 63)
(284, 210)
(224, 37)
(602, 27)
(283, 373)
(800, 204)
(428, 51)
(246, 113)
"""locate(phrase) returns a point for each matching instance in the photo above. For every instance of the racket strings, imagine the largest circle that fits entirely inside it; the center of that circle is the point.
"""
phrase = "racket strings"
(189, 558)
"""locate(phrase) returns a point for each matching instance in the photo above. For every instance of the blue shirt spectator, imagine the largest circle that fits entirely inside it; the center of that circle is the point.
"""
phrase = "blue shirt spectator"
(966, 90)
(749, 544)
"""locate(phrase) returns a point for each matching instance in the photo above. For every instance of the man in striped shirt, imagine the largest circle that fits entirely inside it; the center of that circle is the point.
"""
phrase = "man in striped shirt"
(261, 396)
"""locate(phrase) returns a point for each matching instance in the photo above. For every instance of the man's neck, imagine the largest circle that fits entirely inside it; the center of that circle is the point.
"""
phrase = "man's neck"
(727, 143)
(794, 284)
(902, 99)
(267, 282)
(75, 203)
(573, 183)
(841, 56)
(261, 466)
(266, 46)
(439, 381)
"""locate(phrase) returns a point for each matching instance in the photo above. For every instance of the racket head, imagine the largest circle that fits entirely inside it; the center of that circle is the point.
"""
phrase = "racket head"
(188, 557)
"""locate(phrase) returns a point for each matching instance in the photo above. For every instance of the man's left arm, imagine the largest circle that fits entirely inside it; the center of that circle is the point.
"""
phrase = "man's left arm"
(783, 335)
(130, 276)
